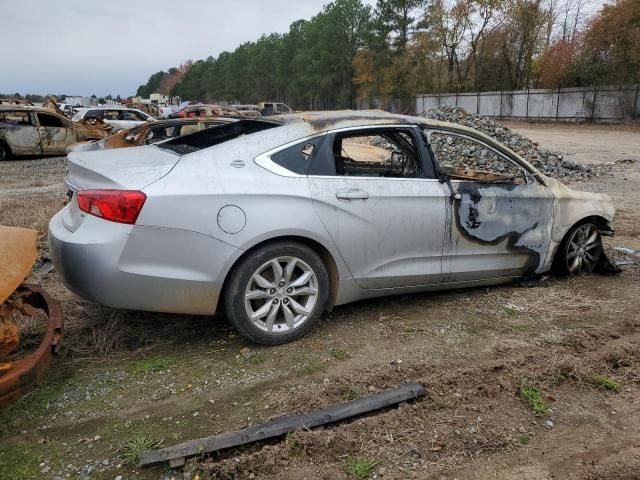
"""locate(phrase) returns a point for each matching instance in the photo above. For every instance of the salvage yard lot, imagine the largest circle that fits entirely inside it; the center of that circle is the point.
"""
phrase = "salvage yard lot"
(130, 380)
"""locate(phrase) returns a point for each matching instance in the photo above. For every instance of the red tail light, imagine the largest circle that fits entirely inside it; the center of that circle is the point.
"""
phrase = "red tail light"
(122, 206)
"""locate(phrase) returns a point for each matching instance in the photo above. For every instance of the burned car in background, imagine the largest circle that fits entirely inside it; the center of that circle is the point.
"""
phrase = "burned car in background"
(198, 110)
(277, 221)
(247, 111)
(118, 118)
(26, 130)
(150, 133)
(274, 108)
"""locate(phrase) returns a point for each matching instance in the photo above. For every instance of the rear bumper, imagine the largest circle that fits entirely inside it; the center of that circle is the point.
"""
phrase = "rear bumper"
(140, 268)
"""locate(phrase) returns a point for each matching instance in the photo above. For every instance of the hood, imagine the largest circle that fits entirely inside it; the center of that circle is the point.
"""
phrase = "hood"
(124, 168)
(561, 191)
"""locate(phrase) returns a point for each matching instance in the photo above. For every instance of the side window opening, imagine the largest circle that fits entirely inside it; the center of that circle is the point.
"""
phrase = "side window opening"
(380, 153)
(46, 120)
(462, 158)
(99, 114)
(216, 135)
(298, 157)
(15, 118)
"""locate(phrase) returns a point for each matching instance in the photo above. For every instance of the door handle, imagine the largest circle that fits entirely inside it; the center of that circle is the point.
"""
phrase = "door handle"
(352, 194)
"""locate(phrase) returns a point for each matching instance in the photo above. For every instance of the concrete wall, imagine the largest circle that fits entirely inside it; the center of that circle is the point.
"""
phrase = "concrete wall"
(600, 104)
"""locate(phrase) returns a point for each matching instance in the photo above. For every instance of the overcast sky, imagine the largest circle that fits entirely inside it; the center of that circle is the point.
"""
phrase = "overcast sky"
(81, 47)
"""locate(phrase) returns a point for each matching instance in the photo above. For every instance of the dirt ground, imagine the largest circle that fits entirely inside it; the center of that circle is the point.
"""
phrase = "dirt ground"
(128, 381)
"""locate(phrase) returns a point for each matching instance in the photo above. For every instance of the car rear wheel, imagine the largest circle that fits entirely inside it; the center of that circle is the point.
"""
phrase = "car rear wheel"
(277, 294)
(581, 250)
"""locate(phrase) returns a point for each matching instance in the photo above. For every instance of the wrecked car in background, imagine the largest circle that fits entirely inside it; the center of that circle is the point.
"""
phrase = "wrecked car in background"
(198, 110)
(118, 118)
(26, 130)
(150, 133)
(278, 221)
(274, 108)
(248, 111)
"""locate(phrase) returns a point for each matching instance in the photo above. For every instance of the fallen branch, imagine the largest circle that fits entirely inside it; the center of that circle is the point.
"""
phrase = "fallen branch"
(177, 454)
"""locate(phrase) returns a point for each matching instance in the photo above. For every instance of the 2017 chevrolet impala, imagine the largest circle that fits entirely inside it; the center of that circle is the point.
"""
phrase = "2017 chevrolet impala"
(278, 221)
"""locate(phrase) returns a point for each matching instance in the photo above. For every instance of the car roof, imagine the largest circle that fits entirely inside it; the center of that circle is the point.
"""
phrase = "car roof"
(113, 107)
(306, 124)
(178, 121)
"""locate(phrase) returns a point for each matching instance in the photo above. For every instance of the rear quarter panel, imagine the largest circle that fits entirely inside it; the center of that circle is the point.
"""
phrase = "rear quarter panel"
(195, 193)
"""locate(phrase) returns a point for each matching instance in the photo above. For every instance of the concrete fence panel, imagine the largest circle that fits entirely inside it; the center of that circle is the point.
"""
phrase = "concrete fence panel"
(603, 104)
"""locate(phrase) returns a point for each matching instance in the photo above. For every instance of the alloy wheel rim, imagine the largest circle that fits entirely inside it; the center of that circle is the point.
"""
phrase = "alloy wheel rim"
(583, 249)
(281, 295)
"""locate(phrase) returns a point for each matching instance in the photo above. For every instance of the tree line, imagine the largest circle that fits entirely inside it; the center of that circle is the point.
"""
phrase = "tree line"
(351, 51)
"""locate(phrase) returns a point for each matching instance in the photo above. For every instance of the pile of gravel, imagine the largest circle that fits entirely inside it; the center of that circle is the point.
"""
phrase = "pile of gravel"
(549, 163)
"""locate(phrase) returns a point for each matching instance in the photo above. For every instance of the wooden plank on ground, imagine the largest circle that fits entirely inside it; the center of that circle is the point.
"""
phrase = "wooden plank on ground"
(282, 425)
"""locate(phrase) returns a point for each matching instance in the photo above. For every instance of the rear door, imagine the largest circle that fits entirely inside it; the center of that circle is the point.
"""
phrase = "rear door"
(500, 214)
(56, 133)
(376, 194)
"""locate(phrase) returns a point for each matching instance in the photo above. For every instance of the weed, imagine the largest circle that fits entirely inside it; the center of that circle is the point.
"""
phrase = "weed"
(340, 355)
(533, 398)
(255, 358)
(138, 443)
(153, 364)
(522, 439)
(351, 394)
(292, 444)
(605, 382)
(310, 368)
(359, 467)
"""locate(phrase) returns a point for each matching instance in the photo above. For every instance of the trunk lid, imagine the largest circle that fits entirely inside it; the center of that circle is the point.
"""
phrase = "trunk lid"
(125, 168)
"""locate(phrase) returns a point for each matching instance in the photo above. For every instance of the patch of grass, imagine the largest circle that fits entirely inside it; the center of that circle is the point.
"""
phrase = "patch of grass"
(152, 364)
(35, 404)
(255, 358)
(341, 355)
(522, 440)
(605, 382)
(138, 443)
(533, 399)
(19, 463)
(359, 467)
(351, 394)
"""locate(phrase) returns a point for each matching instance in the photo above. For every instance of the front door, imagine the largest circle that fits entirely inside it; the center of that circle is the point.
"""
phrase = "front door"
(381, 206)
(501, 215)
(55, 133)
(20, 132)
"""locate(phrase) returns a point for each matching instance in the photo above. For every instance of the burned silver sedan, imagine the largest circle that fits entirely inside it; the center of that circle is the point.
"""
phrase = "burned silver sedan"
(279, 221)
(28, 130)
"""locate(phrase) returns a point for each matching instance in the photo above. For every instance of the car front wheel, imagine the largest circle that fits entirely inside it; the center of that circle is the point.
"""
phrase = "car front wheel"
(276, 294)
(581, 250)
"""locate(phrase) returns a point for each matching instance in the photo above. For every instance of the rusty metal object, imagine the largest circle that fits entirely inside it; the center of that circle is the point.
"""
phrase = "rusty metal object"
(97, 124)
(51, 103)
(17, 255)
(17, 377)
(150, 108)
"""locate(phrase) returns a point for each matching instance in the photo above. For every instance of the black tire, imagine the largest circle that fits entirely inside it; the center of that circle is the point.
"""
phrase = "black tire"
(5, 153)
(242, 280)
(585, 239)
